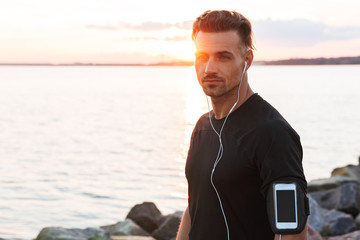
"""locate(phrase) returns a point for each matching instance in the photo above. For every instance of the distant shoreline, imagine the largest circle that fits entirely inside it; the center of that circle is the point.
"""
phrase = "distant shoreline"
(314, 61)
(292, 61)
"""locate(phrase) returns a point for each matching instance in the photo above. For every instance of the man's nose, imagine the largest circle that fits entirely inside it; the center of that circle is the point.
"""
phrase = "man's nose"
(210, 66)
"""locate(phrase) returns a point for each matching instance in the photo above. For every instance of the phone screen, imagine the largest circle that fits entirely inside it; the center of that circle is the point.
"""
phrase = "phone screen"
(286, 205)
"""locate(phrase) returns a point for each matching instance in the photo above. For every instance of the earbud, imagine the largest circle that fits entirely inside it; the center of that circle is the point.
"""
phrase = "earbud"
(245, 65)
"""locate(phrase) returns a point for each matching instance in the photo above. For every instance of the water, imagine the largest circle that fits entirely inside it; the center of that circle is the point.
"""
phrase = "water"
(79, 146)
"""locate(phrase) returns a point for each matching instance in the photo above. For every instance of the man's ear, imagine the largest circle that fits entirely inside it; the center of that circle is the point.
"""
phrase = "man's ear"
(249, 56)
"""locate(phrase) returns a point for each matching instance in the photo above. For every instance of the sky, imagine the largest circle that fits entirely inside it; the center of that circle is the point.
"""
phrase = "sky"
(151, 31)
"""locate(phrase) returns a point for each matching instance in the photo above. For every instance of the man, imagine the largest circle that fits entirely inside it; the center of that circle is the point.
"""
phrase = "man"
(239, 148)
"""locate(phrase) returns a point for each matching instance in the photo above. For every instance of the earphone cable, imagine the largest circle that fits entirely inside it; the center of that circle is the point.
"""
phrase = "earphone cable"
(221, 150)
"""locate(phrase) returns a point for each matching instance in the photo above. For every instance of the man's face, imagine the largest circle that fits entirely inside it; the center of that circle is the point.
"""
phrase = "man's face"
(219, 62)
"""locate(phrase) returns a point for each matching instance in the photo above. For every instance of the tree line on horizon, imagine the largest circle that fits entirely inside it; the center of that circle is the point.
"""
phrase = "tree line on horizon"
(314, 61)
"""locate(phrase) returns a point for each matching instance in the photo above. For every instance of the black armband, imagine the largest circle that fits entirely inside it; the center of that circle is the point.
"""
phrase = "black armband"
(287, 207)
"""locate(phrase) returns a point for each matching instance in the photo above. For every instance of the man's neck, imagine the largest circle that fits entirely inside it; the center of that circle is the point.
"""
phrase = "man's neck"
(222, 105)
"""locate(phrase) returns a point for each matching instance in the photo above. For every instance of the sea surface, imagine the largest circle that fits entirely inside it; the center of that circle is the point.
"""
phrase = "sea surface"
(79, 146)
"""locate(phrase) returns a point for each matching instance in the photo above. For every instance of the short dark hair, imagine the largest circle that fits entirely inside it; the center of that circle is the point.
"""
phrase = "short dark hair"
(223, 20)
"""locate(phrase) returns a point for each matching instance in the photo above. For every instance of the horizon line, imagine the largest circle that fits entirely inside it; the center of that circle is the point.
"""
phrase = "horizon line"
(289, 61)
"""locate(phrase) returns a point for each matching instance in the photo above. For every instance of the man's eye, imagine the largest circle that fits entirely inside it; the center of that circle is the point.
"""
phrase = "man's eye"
(224, 57)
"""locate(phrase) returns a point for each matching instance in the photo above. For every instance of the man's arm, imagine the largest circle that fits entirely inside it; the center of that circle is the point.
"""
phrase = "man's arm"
(183, 233)
(301, 236)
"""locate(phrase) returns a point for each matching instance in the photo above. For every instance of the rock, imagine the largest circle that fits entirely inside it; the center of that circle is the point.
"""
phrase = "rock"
(313, 234)
(344, 198)
(146, 215)
(329, 223)
(337, 223)
(329, 183)
(351, 171)
(353, 235)
(125, 228)
(56, 233)
(131, 238)
(168, 229)
(350, 236)
(357, 221)
(316, 217)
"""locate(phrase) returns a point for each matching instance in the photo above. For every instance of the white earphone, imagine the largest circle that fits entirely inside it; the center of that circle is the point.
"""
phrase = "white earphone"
(221, 149)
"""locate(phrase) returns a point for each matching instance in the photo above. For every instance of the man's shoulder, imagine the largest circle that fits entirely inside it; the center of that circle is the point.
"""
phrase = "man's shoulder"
(202, 121)
(269, 116)
(257, 112)
(276, 125)
(276, 131)
(266, 120)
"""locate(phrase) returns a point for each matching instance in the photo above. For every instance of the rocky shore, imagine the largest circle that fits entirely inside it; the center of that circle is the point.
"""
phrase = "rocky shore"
(143, 222)
(334, 208)
(335, 204)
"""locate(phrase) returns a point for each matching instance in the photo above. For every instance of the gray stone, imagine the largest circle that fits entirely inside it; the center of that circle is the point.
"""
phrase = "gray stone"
(337, 223)
(125, 228)
(357, 221)
(349, 199)
(329, 183)
(316, 217)
(349, 236)
(329, 223)
(146, 215)
(131, 238)
(168, 229)
(343, 198)
(351, 171)
(57, 233)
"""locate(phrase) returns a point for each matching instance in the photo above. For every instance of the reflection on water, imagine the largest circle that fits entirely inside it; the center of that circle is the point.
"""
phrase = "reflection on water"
(194, 105)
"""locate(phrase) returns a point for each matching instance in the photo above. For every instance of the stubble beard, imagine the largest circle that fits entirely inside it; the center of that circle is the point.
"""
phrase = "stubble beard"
(220, 91)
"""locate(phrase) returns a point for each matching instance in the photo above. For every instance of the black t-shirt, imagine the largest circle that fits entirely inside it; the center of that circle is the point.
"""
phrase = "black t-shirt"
(259, 148)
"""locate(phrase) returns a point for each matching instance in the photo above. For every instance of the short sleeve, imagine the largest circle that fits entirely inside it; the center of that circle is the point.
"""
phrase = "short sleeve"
(282, 156)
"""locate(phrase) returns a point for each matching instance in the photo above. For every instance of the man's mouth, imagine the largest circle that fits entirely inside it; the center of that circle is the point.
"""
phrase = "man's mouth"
(212, 79)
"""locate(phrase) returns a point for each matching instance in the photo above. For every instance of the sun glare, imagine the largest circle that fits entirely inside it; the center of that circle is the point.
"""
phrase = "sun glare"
(185, 51)
(195, 103)
(179, 50)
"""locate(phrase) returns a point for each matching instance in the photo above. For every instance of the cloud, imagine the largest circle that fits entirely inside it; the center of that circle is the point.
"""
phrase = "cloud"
(150, 38)
(286, 33)
(187, 25)
(300, 32)
(147, 38)
(145, 26)
(178, 38)
(102, 27)
(154, 26)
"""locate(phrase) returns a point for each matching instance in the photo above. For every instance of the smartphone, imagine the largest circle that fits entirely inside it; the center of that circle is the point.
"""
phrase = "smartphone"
(285, 206)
